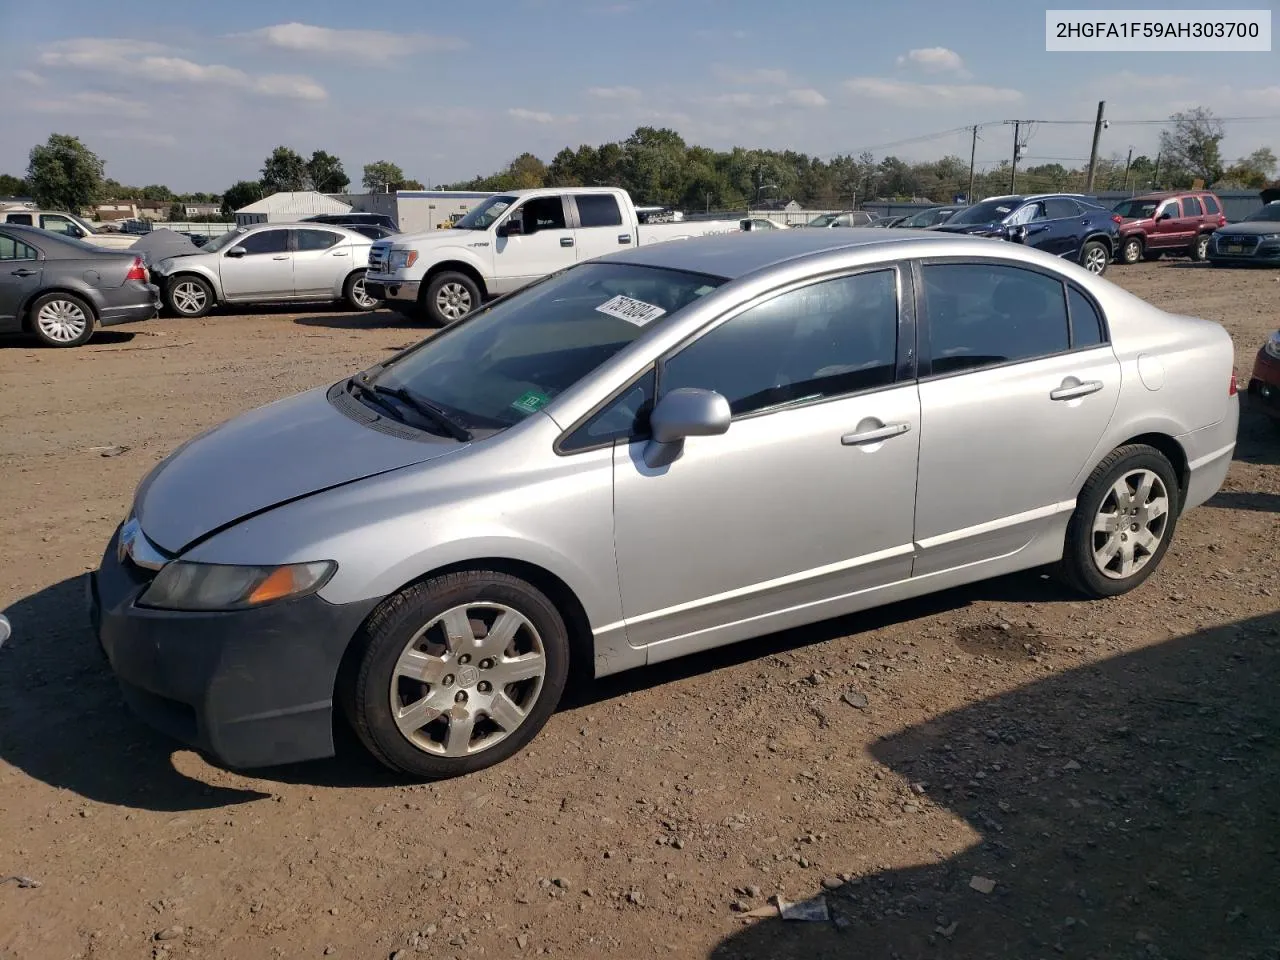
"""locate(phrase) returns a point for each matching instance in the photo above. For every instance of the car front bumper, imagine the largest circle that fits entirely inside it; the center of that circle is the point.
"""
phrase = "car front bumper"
(250, 688)
(391, 288)
(1264, 253)
(1264, 384)
(144, 305)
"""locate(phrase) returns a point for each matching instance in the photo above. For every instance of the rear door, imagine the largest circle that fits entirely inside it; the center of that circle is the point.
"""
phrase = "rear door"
(1067, 223)
(265, 272)
(20, 270)
(544, 245)
(1017, 386)
(321, 261)
(599, 228)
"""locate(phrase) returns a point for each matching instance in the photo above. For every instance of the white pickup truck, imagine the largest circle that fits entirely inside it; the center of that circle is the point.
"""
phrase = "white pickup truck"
(508, 241)
(65, 225)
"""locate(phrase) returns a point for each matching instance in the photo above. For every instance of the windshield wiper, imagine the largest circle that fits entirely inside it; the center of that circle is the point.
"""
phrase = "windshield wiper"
(427, 409)
(364, 388)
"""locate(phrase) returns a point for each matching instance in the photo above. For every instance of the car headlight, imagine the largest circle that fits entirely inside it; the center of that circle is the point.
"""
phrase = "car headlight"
(403, 258)
(1272, 346)
(1269, 236)
(181, 585)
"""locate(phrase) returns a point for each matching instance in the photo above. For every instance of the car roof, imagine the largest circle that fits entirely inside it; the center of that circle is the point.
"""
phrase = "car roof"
(736, 254)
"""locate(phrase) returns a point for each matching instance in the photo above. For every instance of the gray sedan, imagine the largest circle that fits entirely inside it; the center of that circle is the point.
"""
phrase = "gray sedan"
(269, 263)
(645, 455)
(61, 289)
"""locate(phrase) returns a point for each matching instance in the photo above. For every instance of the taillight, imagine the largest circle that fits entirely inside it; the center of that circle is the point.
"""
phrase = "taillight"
(1231, 390)
(138, 271)
(1117, 218)
(1222, 220)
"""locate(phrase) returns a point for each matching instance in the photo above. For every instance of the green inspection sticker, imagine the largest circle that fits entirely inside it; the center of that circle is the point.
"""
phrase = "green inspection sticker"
(531, 402)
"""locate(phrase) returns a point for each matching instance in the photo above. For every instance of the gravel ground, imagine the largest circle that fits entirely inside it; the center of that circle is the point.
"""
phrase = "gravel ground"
(998, 771)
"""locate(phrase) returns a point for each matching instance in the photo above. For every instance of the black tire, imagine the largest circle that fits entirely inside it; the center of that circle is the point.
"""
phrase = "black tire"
(1131, 250)
(1095, 252)
(351, 294)
(366, 692)
(188, 296)
(61, 320)
(460, 289)
(1199, 250)
(1078, 568)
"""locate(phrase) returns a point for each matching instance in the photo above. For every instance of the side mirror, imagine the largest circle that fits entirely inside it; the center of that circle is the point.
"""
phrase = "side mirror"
(682, 413)
(1017, 233)
(237, 252)
(1165, 216)
(512, 228)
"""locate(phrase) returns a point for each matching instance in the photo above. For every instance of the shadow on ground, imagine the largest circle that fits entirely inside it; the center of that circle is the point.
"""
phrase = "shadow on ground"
(102, 338)
(1258, 438)
(375, 320)
(1129, 809)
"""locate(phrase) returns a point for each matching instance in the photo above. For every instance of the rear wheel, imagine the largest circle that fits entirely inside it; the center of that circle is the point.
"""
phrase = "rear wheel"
(1123, 522)
(457, 673)
(1094, 256)
(1200, 249)
(1131, 250)
(61, 320)
(189, 296)
(450, 297)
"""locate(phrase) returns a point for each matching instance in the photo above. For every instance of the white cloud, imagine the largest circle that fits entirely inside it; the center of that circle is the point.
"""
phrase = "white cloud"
(905, 93)
(538, 116)
(306, 38)
(806, 97)
(614, 93)
(150, 61)
(30, 76)
(140, 136)
(934, 60)
(89, 102)
(761, 75)
(800, 97)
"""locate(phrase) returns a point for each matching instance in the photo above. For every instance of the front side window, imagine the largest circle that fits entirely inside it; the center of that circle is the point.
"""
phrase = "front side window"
(317, 239)
(981, 315)
(505, 363)
(62, 225)
(1171, 209)
(1027, 213)
(265, 241)
(542, 213)
(825, 340)
(598, 210)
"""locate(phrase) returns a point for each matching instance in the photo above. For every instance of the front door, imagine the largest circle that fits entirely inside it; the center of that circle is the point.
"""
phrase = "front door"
(264, 272)
(321, 261)
(806, 502)
(1015, 394)
(544, 245)
(20, 270)
(1169, 230)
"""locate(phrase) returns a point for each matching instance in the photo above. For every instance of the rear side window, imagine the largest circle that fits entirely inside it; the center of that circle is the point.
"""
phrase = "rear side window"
(317, 239)
(22, 218)
(1191, 207)
(981, 315)
(1060, 208)
(1086, 323)
(1211, 205)
(11, 249)
(598, 210)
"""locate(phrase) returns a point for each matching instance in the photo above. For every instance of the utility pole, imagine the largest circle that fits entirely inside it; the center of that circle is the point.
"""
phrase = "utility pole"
(973, 152)
(1093, 153)
(1155, 177)
(1013, 174)
(1127, 164)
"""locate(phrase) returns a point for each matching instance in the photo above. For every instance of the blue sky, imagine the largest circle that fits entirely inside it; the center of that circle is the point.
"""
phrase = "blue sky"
(194, 95)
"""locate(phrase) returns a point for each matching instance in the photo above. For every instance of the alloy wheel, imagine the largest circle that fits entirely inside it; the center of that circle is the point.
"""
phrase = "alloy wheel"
(1130, 524)
(453, 301)
(189, 297)
(361, 295)
(468, 679)
(1096, 260)
(62, 321)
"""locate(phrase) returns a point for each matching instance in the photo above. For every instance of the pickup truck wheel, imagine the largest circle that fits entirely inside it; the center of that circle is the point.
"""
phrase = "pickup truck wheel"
(356, 296)
(188, 296)
(450, 297)
(1200, 249)
(1131, 250)
(1094, 257)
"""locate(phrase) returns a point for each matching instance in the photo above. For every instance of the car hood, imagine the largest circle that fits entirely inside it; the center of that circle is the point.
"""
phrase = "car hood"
(984, 228)
(1255, 229)
(275, 454)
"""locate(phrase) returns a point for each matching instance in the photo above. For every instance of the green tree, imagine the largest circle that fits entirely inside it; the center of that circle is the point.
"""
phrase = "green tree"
(284, 171)
(325, 172)
(64, 174)
(11, 186)
(1191, 147)
(177, 211)
(156, 191)
(239, 195)
(382, 176)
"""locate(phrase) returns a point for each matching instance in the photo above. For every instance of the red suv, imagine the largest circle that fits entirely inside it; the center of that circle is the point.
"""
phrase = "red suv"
(1175, 223)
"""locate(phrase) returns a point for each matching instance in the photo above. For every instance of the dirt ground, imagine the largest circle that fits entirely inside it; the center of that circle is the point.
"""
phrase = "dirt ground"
(1014, 773)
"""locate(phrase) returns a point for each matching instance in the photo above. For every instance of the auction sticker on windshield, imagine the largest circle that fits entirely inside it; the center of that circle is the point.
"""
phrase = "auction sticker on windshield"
(531, 402)
(632, 311)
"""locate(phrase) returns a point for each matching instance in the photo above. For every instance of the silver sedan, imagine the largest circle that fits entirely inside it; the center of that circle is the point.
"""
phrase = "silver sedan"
(646, 455)
(269, 263)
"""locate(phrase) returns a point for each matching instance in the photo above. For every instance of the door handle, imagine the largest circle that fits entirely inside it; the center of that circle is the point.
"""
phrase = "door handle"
(24, 272)
(624, 238)
(340, 253)
(1076, 390)
(285, 257)
(566, 241)
(872, 436)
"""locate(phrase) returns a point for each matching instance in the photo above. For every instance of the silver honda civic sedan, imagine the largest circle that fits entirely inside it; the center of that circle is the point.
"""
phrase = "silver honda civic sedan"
(653, 453)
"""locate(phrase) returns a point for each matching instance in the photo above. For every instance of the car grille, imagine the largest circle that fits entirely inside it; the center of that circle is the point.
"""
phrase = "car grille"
(1239, 244)
(379, 256)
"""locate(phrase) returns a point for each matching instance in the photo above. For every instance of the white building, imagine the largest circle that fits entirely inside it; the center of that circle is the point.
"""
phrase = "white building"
(416, 211)
(288, 207)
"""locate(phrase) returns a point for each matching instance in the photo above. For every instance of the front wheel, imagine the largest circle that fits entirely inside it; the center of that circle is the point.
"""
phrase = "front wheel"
(1131, 250)
(457, 673)
(1123, 522)
(450, 297)
(189, 296)
(357, 296)
(1200, 249)
(61, 320)
(1094, 256)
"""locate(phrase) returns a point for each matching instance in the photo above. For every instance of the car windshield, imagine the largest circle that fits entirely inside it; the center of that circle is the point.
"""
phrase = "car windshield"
(1136, 209)
(508, 361)
(988, 211)
(926, 218)
(217, 243)
(483, 216)
(823, 221)
(1270, 212)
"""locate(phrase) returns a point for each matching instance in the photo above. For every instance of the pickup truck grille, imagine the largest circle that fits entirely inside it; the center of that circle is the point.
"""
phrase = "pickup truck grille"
(379, 256)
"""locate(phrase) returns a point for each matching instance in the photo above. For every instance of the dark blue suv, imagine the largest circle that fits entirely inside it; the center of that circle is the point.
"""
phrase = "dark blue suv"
(1070, 226)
